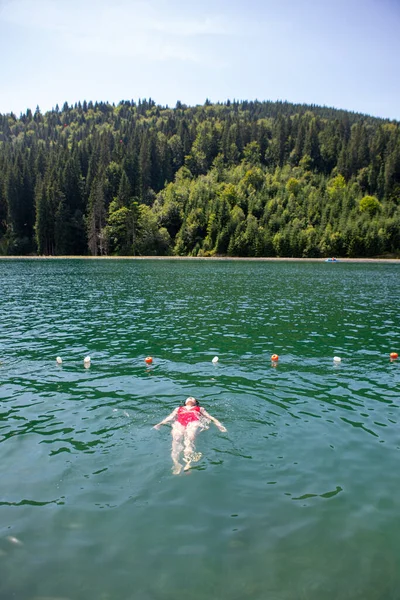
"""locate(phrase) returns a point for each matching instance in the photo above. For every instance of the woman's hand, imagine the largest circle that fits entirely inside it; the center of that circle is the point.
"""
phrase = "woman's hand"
(157, 426)
(222, 428)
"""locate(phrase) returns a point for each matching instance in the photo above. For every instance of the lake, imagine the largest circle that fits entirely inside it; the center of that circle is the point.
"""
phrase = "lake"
(298, 500)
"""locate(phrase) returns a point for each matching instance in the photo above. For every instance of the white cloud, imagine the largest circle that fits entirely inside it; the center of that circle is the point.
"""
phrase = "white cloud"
(138, 46)
(126, 29)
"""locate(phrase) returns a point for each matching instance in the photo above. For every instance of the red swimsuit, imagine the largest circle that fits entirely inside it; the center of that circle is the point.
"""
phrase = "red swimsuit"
(185, 416)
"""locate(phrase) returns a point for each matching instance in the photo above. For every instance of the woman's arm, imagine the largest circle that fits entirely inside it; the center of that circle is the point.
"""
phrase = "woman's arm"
(215, 421)
(167, 419)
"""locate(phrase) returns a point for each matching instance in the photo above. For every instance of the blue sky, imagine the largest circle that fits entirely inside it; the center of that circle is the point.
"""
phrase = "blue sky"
(344, 54)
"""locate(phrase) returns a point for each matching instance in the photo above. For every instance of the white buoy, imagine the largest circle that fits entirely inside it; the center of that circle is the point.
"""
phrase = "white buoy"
(59, 360)
(215, 359)
(86, 362)
(337, 359)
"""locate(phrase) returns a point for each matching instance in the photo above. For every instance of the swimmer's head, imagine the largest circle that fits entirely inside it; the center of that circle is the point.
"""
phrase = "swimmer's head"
(191, 401)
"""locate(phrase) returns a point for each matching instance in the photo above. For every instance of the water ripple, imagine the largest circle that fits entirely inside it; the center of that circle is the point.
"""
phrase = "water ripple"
(297, 500)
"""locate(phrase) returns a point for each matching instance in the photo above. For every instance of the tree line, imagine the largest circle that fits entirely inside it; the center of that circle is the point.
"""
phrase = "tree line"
(234, 178)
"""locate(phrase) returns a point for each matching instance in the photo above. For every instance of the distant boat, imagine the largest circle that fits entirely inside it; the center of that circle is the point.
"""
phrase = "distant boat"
(333, 259)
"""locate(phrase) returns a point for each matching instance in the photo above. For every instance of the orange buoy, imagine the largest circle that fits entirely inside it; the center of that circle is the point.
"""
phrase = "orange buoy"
(148, 360)
(274, 357)
(394, 355)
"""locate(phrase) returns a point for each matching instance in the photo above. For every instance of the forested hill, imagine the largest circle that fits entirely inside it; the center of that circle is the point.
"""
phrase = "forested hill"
(237, 179)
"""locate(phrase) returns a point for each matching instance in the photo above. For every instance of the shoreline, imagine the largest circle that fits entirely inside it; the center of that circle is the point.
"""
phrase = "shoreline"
(207, 258)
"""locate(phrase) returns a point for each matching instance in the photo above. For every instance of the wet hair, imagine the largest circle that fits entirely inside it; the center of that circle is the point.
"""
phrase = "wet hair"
(196, 401)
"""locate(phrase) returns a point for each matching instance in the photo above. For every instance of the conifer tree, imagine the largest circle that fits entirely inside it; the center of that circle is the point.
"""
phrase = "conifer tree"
(96, 219)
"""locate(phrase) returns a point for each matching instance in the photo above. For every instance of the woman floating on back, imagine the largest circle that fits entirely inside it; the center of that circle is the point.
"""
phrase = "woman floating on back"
(189, 418)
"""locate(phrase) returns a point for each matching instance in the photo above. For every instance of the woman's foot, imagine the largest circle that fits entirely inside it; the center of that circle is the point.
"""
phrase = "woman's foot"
(176, 469)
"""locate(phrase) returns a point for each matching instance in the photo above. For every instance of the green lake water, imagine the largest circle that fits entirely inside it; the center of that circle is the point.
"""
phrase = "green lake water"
(298, 500)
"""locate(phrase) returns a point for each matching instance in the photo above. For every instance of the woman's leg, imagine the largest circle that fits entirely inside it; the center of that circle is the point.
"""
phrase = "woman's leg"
(189, 453)
(177, 437)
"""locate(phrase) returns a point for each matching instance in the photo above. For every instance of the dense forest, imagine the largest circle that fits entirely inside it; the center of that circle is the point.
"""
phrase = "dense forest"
(233, 178)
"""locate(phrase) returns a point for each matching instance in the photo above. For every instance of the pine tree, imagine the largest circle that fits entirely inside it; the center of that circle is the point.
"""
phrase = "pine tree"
(124, 191)
(96, 219)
